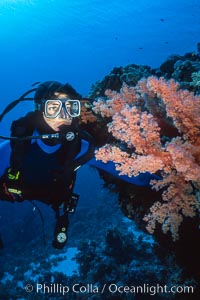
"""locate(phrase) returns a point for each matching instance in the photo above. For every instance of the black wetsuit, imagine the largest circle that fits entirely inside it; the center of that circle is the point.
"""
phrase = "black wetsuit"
(47, 167)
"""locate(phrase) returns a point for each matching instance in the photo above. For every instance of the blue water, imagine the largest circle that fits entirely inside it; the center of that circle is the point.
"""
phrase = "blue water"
(80, 42)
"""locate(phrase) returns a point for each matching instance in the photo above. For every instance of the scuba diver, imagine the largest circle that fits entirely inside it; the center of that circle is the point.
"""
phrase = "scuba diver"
(47, 148)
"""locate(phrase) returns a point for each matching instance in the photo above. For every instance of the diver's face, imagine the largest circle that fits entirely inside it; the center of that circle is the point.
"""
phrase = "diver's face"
(53, 109)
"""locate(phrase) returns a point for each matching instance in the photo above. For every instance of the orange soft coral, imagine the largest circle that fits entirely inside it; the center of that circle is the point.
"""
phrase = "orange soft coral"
(178, 159)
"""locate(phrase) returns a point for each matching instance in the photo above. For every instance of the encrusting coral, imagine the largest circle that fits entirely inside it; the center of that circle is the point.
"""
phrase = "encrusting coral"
(157, 129)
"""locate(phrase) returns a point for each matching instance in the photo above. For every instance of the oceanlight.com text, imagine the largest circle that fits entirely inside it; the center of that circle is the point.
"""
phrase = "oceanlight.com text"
(150, 289)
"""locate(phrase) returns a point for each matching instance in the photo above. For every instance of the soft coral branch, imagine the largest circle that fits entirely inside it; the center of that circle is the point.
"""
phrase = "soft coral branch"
(181, 105)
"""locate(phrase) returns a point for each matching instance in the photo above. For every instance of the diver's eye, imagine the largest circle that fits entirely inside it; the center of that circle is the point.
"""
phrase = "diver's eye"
(53, 108)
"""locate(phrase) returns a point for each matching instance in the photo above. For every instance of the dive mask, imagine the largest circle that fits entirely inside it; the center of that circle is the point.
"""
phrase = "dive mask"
(55, 107)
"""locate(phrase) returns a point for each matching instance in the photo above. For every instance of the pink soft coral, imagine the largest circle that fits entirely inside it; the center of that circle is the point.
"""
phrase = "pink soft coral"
(177, 159)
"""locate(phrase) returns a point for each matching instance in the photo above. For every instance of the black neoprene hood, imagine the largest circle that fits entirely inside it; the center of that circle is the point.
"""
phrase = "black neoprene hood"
(47, 90)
